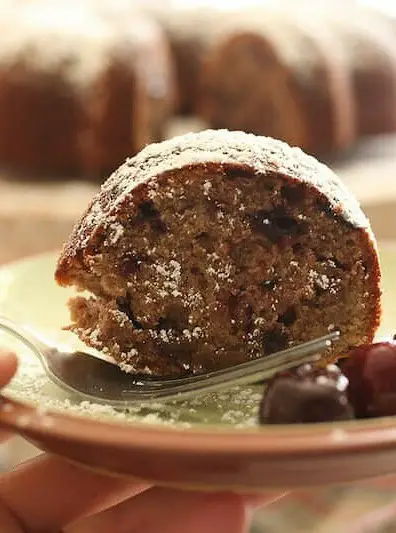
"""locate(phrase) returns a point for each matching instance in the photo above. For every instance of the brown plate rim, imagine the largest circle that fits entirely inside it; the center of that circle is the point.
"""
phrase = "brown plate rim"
(356, 436)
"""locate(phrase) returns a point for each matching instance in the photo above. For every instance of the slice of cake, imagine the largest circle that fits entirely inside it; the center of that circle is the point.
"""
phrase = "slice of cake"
(217, 247)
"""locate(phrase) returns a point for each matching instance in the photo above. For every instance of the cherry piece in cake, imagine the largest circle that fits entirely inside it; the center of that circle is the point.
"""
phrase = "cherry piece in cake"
(371, 370)
(306, 394)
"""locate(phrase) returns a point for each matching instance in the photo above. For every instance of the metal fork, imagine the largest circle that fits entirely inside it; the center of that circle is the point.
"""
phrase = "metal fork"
(101, 381)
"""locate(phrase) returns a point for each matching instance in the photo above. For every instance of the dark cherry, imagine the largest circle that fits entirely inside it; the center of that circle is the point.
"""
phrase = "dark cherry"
(371, 370)
(124, 305)
(129, 264)
(306, 394)
(148, 212)
(274, 340)
(277, 225)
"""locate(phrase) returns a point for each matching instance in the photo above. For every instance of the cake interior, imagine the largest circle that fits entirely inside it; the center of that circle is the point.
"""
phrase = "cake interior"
(217, 266)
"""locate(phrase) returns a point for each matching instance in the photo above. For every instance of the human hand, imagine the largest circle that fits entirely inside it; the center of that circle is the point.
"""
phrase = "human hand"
(49, 495)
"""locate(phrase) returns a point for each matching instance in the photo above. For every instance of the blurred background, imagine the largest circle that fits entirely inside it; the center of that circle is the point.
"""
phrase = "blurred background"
(86, 83)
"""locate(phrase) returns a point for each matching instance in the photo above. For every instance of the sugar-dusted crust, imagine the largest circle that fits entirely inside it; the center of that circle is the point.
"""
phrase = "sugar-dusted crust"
(261, 155)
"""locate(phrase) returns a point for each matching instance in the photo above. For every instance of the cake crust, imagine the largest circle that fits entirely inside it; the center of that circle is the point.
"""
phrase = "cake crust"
(250, 153)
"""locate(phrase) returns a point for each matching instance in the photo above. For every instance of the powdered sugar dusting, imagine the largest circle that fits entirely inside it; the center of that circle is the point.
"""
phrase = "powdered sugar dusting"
(324, 282)
(321, 280)
(170, 275)
(237, 407)
(53, 38)
(117, 231)
(127, 367)
(206, 187)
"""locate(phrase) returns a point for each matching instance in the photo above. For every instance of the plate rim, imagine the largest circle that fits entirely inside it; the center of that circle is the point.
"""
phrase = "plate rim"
(277, 441)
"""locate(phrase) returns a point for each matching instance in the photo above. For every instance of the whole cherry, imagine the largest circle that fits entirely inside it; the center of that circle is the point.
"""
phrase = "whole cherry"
(306, 394)
(371, 371)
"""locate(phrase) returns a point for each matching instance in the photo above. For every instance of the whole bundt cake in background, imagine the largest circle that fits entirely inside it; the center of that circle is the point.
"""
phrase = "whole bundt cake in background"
(191, 29)
(348, 50)
(269, 74)
(369, 46)
(79, 92)
(217, 247)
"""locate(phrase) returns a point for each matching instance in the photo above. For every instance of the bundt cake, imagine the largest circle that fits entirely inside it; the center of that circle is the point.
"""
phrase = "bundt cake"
(217, 247)
(272, 75)
(191, 28)
(316, 74)
(79, 91)
(369, 47)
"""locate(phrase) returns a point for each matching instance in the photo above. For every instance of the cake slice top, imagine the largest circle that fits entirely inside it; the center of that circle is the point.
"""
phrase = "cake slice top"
(248, 152)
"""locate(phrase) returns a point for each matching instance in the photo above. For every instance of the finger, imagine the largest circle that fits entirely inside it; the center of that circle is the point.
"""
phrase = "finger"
(173, 511)
(8, 366)
(48, 493)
